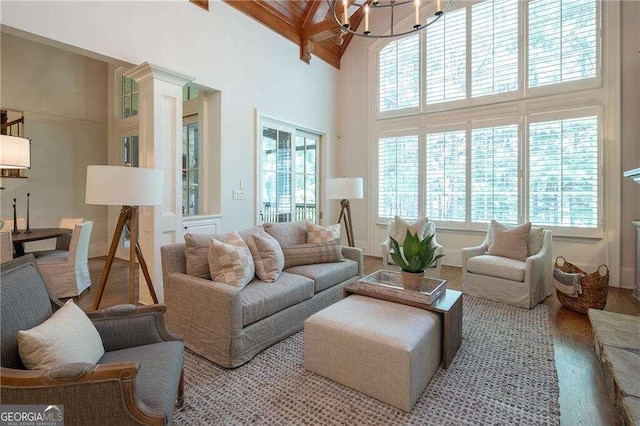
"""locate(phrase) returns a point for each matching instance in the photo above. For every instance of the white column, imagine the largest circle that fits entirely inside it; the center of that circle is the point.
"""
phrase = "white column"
(160, 147)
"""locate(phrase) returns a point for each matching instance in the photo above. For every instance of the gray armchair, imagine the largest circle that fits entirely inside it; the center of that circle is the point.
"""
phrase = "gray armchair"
(136, 381)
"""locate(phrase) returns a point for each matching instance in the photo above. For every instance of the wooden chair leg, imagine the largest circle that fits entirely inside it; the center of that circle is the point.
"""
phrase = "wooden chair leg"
(180, 400)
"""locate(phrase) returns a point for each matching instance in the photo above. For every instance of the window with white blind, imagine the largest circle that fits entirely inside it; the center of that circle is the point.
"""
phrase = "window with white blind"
(398, 172)
(562, 41)
(563, 172)
(399, 74)
(494, 174)
(494, 47)
(446, 58)
(446, 176)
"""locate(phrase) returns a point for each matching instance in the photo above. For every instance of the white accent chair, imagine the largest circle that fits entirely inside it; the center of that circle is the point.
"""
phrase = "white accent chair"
(387, 261)
(68, 275)
(505, 280)
(6, 247)
(8, 224)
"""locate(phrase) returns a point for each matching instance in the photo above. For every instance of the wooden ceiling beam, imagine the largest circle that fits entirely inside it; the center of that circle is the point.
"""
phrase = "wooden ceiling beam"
(268, 17)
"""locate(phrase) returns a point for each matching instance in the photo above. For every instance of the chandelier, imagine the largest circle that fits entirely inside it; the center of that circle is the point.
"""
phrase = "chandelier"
(388, 7)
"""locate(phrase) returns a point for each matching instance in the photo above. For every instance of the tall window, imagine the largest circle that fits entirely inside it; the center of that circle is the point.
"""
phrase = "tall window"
(487, 65)
(129, 97)
(190, 167)
(398, 177)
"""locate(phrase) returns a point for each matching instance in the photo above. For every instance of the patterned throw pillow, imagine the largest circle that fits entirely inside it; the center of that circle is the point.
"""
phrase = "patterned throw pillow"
(511, 243)
(419, 226)
(231, 262)
(308, 254)
(321, 234)
(197, 255)
(267, 256)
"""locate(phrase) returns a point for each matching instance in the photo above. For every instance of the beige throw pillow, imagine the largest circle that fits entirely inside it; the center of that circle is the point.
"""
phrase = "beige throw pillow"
(197, 255)
(231, 262)
(67, 336)
(309, 254)
(419, 226)
(288, 233)
(267, 256)
(321, 234)
(511, 243)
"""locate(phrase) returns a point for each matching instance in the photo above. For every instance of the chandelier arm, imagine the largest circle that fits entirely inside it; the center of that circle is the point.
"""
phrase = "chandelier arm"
(348, 28)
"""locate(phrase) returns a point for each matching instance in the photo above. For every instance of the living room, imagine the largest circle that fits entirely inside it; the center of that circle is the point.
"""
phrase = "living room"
(60, 67)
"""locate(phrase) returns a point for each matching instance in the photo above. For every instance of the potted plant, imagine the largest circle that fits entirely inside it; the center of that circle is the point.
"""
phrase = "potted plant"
(413, 258)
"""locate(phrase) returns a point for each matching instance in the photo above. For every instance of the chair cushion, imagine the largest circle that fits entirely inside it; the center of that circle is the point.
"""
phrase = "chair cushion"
(56, 252)
(67, 336)
(159, 375)
(497, 266)
(402, 226)
(289, 233)
(510, 242)
(260, 300)
(327, 275)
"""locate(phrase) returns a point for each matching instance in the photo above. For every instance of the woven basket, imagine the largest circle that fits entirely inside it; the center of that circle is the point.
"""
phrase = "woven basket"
(594, 288)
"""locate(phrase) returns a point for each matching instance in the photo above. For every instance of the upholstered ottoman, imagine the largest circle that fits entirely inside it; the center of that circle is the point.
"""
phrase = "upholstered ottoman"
(382, 349)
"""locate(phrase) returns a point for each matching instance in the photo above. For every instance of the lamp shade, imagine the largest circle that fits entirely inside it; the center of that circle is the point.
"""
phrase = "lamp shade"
(345, 188)
(123, 186)
(15, 152)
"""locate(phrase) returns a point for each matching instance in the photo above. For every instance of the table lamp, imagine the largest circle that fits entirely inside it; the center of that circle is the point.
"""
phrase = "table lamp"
(128, 187)
(342, 189)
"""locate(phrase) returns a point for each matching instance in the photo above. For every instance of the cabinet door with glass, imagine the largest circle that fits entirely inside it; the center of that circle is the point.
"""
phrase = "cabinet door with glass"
(289, 176)
(190, 167)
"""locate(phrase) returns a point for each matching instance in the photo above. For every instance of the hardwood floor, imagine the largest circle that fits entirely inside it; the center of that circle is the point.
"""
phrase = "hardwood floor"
(583, 396)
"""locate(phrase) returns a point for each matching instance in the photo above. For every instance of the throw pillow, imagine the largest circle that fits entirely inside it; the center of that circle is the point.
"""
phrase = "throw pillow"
(321, 234)
(419, 226)
(308, 254)
(197, 255)
(267, 256)
(231, 262)
(511, 243)
(67, 336)
(536, 235)
(289, 233)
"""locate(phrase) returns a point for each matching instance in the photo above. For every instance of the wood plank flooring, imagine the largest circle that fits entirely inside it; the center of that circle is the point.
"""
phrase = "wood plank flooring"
(583, 395)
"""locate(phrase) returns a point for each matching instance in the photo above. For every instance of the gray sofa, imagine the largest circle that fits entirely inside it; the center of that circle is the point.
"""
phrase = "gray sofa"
(229, 325)
(136, 381)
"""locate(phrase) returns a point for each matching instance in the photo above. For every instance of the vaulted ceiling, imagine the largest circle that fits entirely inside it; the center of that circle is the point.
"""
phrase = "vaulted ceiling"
(308, 23)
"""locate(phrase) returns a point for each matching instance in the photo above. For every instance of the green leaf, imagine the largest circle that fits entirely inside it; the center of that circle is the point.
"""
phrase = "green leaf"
(411, 245)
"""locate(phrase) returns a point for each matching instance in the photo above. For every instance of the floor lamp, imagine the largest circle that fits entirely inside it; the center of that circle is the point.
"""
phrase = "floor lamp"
(342, 189)
(128, 187)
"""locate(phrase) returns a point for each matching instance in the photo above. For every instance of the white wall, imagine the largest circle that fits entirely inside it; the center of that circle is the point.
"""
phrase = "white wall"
(630, 133)
(64, 100)
(253, 67)
(355, 149)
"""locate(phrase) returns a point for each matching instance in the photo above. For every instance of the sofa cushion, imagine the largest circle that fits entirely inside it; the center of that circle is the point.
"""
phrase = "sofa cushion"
(327, 275)
(267, 256)
(159, 375)
(260, 300)
(510, 242)
(308, 254)
(289, 233)
(497, 266)
(231, 262)
(196, 252)
(322, 234)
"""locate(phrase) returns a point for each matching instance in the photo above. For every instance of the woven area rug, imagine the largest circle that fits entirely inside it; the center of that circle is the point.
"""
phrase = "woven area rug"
(503, 373)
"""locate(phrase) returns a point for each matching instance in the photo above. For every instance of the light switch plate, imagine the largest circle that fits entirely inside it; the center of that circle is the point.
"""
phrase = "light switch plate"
(239, 195)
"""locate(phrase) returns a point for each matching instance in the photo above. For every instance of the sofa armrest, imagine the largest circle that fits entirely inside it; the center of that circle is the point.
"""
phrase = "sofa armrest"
(192, 300)
(355, 253)
(469, 252)
(539, 267)
(385, 248)
(83, 388)
(126, 326)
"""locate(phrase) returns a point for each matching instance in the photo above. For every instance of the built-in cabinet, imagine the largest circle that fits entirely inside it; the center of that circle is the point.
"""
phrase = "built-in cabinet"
(209, 224)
